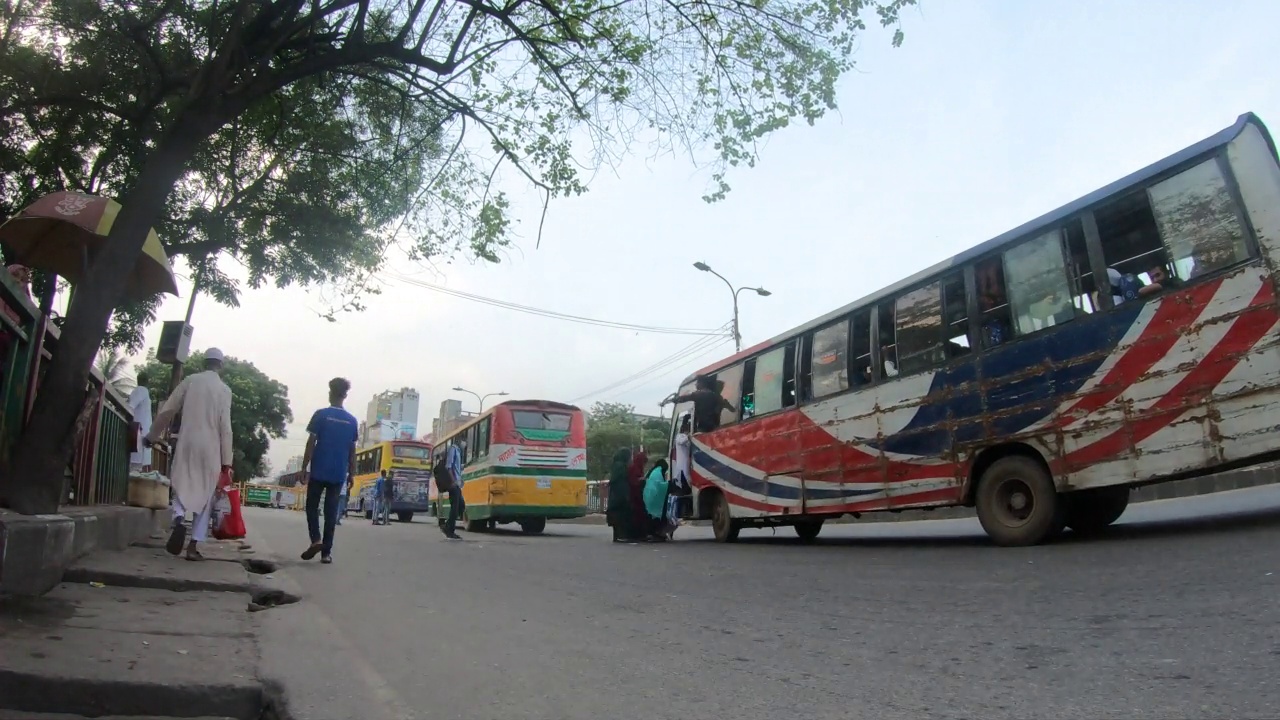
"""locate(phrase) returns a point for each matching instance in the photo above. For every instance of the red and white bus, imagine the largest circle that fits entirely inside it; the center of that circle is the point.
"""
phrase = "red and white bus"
(1011, 378)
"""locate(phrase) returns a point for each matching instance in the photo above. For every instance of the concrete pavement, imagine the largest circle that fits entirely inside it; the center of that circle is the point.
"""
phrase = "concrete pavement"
(137, 632)
(1171, 616)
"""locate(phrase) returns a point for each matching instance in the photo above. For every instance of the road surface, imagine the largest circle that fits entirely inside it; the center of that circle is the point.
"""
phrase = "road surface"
(1176, 615)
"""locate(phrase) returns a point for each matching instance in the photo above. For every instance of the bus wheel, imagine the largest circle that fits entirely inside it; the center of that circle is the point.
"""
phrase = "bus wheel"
(405, 516)
(1017, 502)
(808, 530)
(476, 526)
(533, 526)
(722, 523)
(1091, 511)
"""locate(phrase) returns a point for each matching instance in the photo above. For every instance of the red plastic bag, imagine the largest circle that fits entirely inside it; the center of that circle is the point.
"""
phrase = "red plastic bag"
(232, 525)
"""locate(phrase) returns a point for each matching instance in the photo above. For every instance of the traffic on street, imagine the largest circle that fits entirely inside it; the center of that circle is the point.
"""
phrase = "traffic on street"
(1170, 615)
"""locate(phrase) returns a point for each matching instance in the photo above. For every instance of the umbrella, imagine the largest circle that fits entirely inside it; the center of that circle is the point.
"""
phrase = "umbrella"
(59, 233)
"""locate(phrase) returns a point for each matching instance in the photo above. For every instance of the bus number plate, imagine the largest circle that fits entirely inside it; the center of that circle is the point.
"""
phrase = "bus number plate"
(544, 483)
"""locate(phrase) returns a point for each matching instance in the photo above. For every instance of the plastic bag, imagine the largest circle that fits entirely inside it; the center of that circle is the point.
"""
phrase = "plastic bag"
(231, 523)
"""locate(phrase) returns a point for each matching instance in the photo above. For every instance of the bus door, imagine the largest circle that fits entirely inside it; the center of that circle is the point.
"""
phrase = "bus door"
(682, 455)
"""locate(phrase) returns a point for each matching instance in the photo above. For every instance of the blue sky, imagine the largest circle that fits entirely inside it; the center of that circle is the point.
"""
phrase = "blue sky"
(993, 112)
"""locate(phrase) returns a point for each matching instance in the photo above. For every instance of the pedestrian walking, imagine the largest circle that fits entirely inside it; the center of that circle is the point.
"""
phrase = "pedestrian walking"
(388, 496)
(452, 475)
(140, 408)
(204, 401)
(381, 511)
(343, 497)
(328, 464)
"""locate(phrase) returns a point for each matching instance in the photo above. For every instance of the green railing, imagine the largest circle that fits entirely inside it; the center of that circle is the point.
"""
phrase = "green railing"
(99, 471)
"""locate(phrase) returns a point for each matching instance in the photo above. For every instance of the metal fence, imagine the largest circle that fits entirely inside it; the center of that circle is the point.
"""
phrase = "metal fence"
(99, 470)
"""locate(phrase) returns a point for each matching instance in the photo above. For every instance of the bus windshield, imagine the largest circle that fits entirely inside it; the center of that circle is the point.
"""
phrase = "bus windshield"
(413, 452)
(535, 420)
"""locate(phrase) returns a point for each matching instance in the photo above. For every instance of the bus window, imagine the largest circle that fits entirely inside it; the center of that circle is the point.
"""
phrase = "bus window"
(1130, 241)
(411, 452)
(993, 302)
(1198, 221)
(729, 382)
(1079, 270)
(919, 315)
(888, 347)
(536, 420)
(1038, 289)
(955, 316)
(766, 376)
(829, 360)
(860, 369)
(482, 440)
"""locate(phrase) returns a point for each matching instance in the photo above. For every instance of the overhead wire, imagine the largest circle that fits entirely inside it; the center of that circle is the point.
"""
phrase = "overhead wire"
(542, 312)
(695, 349)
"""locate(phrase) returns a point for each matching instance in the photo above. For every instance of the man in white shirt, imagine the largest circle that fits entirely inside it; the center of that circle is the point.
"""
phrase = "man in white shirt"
(140, 408)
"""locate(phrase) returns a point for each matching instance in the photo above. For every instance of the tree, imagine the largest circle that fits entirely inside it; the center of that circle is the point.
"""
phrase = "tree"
(611, 426)
(259, 408)
(554, 90)
(114, 368)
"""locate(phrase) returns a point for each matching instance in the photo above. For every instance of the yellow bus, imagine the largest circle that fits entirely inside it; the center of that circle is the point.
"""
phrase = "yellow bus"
(408, 466)
(524, 462)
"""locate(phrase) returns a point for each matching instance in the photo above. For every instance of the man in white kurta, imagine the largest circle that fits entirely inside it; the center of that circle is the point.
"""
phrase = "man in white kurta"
(203, 452)
(140, 408)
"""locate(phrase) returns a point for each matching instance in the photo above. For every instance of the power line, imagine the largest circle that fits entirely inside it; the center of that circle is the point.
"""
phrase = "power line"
(558, 315)
(695, 349)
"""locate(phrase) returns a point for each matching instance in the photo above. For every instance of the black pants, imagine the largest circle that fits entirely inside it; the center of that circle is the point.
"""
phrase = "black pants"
(457, 506)
(330, 492)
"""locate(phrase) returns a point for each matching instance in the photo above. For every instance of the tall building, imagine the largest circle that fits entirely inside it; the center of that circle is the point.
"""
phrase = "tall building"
(391, 415)
(451, 416)
(294, 464)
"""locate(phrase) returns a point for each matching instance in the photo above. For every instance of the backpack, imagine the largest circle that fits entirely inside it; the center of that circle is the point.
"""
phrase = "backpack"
(444, 480)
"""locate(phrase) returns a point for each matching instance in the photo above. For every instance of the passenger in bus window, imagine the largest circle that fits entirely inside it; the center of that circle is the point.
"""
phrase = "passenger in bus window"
(1161, 280)
(707, 404)
(1053, 310)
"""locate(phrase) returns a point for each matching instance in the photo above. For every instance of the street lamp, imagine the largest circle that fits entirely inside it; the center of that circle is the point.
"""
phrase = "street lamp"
(479, 397)
(737, 334)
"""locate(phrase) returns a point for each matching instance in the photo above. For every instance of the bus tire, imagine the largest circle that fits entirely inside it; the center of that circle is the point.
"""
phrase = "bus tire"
(476, 526)
(1017, 502)
(722, 522)
(368, 514)
(405, 516)
(533, 526)
(1088, 512)
(807, 530)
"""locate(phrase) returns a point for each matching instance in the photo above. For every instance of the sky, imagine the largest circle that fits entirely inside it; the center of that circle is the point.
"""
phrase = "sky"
(991, 113)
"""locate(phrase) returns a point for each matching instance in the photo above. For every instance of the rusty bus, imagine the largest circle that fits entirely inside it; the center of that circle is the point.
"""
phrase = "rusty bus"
(1127, 338)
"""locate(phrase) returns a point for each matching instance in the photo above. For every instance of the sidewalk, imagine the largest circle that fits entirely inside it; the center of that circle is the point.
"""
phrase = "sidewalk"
(140, 632)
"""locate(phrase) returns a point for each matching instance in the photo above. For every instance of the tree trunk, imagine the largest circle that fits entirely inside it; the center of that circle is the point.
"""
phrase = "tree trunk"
(47, 441)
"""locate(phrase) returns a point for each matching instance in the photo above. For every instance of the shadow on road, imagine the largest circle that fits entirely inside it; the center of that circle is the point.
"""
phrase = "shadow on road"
(960, 536)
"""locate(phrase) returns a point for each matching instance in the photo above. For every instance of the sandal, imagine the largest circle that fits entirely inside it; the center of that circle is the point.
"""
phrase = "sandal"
(312, 551)
(194, 555)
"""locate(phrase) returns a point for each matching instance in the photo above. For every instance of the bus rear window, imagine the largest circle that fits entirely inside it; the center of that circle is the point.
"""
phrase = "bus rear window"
(412, 453)
(534, 420)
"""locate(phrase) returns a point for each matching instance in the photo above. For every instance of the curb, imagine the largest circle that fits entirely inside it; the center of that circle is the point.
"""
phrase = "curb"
(94, 698)
(35, 550)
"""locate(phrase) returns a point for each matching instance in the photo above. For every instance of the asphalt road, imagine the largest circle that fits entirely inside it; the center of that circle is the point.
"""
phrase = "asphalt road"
(1175, 615)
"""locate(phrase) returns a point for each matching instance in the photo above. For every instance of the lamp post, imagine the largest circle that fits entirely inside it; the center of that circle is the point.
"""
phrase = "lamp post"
(737, 334)
(478, 396)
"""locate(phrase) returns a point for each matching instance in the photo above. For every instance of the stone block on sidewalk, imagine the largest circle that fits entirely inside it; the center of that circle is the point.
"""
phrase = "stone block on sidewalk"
(108, 650)
(152, 567)
(34, 549)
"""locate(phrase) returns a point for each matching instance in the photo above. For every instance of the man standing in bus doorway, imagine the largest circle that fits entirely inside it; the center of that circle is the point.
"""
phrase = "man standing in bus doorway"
(328, 463)
(453, 469)
(204, 402)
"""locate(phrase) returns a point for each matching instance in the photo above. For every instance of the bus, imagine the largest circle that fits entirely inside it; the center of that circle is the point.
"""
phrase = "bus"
(524, 462)
(1124, 339)
(408, 465)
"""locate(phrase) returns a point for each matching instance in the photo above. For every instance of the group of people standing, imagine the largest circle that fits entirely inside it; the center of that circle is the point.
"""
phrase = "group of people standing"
(644, 500)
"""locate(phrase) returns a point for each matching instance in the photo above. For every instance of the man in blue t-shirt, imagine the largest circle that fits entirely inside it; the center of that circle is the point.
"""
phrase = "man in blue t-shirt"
(329, 463)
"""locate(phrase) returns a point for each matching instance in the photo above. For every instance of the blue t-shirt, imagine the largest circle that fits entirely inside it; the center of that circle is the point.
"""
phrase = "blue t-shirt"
(336, 431)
